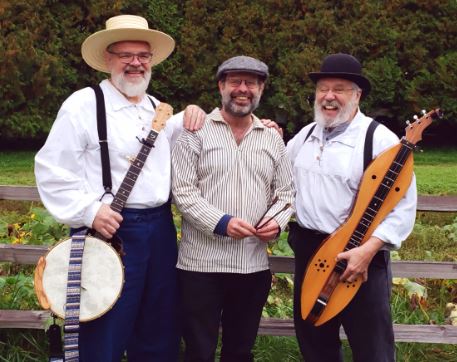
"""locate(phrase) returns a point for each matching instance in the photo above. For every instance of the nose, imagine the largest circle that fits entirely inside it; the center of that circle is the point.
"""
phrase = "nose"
(243, 87)
(135, 60)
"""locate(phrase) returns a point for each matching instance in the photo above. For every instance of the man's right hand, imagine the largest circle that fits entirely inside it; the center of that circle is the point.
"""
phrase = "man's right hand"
(107, 221)
(239, 229)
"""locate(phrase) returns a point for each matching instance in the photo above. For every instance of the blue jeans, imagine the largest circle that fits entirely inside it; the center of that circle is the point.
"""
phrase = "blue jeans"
(144, 320)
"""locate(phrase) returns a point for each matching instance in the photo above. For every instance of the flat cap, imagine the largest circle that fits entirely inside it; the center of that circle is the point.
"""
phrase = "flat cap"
(243, 63)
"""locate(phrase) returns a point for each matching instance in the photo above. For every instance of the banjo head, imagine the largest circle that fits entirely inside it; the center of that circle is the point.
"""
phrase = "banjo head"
(102, 278)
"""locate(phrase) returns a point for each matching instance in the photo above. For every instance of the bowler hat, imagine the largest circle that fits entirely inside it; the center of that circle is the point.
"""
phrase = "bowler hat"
(343, 66)
(125, 28)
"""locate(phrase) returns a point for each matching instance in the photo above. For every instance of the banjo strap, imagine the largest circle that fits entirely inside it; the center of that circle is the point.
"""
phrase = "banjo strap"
(72, 306)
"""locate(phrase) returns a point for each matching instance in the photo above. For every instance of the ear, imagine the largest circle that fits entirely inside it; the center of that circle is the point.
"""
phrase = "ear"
(221, 85)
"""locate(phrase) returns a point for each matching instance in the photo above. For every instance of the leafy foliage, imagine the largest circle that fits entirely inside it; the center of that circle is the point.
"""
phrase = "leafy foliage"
(407, 48)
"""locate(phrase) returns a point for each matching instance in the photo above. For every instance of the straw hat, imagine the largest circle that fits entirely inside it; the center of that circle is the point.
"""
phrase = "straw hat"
(125, 28)
(343, 66)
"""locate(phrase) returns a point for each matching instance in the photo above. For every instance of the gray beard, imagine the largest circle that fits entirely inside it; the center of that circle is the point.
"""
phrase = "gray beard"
(239, 111)
(137, 89)
(342, 116)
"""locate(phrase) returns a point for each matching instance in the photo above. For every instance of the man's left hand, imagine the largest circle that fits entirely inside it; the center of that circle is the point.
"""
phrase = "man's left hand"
(194, 117)
(268, 231)
(359, 258)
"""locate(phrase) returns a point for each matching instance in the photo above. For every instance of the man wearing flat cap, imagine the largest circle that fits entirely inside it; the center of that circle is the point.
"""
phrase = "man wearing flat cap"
(69, 171)
(329, 157)
(232, 183)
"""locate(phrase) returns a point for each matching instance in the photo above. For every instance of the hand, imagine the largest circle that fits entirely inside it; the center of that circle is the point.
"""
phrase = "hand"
(272, 124)
(268, 231)
(194, 117)
(239, 229)
(107, 221)
(359, 259)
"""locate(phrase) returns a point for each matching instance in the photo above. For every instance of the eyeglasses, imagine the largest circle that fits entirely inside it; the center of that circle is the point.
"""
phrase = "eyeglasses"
(126, 58)
(338, 90)
(236, 82)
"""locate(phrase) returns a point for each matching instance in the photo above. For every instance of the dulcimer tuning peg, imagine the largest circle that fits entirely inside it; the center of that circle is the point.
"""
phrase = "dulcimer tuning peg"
(408, 123)
(416, 117)
(424, 112)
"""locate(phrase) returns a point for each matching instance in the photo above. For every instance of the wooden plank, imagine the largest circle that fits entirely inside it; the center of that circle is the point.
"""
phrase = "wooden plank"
(29, 254)
(36, 319)
(30, 319)
(21, 254)
(425, 202)
(437, 203)
(21, 193)
(403, 332)
(403, 269)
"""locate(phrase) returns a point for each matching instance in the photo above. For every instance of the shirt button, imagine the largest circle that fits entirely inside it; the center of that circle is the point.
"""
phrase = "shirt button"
(321, 148)
(318, 158)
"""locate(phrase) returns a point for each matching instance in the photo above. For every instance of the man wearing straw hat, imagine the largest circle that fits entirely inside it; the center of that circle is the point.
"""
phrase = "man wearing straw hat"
(68, 172)
(328, 158)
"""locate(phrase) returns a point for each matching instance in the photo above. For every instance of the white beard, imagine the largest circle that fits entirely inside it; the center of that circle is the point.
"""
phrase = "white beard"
(342, 116)
(129, 88)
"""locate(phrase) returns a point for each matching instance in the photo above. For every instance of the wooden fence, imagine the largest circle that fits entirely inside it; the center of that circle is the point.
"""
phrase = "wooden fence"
(28, 254)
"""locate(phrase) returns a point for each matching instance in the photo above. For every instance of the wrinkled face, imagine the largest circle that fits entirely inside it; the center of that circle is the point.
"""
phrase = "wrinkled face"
(130, 77)
(240, 93)
(337, 101)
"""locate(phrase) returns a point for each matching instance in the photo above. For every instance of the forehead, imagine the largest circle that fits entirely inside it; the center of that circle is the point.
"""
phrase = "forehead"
(244, 75)
(127, 46)
(334, 82)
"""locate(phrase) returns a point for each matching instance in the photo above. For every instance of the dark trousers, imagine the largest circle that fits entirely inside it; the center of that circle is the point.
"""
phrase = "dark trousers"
(366, 320)
(211, 299)
(144, 319)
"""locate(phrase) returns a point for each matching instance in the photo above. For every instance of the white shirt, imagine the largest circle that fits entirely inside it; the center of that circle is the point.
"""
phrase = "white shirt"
(68, 167)
(327, 175)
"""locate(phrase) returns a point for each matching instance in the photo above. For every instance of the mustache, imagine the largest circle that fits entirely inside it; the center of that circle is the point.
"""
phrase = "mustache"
(333, 103)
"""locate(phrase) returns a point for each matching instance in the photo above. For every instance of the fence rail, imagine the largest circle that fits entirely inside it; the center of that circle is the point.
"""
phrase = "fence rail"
(35, 319)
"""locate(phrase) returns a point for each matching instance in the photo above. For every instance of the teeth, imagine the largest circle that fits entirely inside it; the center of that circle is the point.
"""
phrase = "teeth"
(242, 98)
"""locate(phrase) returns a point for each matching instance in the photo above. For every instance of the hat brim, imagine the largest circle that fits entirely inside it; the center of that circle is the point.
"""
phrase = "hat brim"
(358, 79)
(93, 48)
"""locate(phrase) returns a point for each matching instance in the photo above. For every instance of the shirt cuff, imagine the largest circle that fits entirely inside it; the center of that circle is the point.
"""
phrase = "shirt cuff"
(221, 227)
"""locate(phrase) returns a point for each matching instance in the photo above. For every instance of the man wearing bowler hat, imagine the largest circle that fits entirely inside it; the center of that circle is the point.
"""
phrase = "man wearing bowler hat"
(68, 170)
(232, 182)
(328, 158)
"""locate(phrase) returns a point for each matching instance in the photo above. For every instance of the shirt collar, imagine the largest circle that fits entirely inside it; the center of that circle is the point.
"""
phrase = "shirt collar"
(118, 101)
(347, 133)
(216, 116)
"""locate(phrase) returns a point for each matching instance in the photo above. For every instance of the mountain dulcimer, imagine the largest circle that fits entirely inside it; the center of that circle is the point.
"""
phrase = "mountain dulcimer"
(383, 184)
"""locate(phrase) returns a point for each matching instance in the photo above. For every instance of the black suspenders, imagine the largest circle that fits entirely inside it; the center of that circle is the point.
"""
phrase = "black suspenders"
(103, 139)
(368, 148)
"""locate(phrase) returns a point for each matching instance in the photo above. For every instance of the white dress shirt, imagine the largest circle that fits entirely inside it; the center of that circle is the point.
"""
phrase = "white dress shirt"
(68, 167)
(327, 174)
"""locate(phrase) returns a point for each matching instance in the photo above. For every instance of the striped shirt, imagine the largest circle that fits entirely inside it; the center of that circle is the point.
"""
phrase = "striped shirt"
(213, 176)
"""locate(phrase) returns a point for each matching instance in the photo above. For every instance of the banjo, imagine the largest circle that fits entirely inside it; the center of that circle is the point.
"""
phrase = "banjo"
(100, 266)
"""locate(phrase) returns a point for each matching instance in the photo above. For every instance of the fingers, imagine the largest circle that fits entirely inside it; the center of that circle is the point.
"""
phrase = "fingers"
(194, 118)
(107, 221)
(238, 228)
(357, 265)
(272, 124)
(267, 231)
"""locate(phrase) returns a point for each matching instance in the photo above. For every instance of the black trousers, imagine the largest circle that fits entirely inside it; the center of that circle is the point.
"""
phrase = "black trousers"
(211, 299)
(366, 319)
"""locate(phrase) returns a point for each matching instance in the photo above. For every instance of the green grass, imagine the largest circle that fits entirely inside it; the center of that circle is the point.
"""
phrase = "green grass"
(436, 170)
(17, 168)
